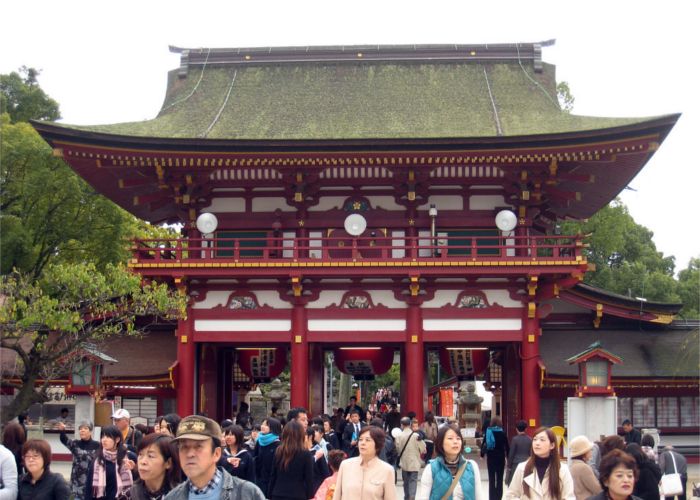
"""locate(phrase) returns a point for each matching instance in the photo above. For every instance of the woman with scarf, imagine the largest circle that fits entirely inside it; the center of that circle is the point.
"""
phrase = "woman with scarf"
(264, 453)
(450, 472)
(543, 476)
(109, 475)
(495, 447)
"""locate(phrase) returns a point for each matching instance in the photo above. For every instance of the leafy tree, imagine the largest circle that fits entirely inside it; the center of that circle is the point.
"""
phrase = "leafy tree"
(23, 99)
(566, 99)
(46, 322)
(49, 214)
(625, 257)
(689, 288)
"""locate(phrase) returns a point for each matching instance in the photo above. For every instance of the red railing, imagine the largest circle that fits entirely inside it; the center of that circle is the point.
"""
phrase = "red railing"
(313, 249)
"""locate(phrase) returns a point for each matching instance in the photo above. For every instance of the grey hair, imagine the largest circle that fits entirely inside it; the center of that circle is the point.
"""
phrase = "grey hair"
(88, 424)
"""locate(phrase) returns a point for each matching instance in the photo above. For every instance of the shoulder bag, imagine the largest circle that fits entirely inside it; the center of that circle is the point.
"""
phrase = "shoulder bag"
(455, 480)
(671, 483)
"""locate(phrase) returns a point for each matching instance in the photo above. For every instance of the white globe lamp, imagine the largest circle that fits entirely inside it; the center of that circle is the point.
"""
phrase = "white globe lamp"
(506, 220)
(355, 224)
(207, 223)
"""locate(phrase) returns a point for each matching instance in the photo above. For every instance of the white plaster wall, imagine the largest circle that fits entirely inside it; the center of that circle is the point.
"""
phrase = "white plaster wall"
(272, 299)
(442, 297)
(326, 298)
(214, 298)
(243, 325)
(471, 324)
(452, 202)
(486, 202)
(502, 298)
(386, 298)
(226, 205)
(356, 325)
(271, 204)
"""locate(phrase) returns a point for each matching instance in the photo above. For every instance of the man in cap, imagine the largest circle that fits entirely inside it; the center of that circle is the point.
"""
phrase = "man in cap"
(199, 444)
(132, 437)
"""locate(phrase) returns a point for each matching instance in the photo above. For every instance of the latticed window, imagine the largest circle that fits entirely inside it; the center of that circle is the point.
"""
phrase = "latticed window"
(643, 412)
(624, 409)
(689, 411)
(667, 412)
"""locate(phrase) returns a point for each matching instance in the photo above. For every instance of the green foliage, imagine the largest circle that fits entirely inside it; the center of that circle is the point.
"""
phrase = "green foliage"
(627, 261)
(49, 214)
(23, 99)
(46, 322)
(565, 97)
(689, 288)
(391, 379)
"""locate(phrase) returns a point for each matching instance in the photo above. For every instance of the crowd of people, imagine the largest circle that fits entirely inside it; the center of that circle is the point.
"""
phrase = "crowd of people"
(350, 455)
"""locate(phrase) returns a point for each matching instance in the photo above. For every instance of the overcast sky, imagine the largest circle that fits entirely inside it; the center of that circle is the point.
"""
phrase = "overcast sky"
(107, 61)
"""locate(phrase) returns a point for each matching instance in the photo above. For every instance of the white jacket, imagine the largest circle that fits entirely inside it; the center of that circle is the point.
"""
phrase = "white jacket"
(539, 490)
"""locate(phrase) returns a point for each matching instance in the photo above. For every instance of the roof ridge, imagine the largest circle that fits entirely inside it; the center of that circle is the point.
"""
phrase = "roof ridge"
(424, 53)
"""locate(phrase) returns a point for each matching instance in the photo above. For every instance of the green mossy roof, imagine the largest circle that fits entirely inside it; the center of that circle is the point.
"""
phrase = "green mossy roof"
(361, 101)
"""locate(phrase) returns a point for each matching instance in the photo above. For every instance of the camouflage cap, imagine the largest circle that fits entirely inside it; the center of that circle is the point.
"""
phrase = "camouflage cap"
(198, 428)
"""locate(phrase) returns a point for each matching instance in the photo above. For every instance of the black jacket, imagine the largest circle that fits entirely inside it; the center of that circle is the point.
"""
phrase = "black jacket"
(347, 438)
(50, 486)
(500, 450)
(264, 463)
(296, 482)
(332, 440)
(246, 467)
(647, 486)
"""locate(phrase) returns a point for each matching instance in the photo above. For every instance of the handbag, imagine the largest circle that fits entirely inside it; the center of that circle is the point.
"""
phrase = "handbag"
(671, 484)
(455, 480)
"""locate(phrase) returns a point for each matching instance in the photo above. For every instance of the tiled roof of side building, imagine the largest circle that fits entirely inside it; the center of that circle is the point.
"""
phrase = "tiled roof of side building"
(390, 92)
(665, 353)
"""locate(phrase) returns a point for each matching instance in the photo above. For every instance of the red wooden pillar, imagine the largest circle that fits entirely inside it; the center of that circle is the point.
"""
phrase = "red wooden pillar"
(186, 356)
(316, 379)
(530, 353)
(300, 359)
(414, 367)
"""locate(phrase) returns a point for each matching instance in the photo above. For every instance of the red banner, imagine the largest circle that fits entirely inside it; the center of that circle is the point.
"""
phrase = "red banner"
(446, 402)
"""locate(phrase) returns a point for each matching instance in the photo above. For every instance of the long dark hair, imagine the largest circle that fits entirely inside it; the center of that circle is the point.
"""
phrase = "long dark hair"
(168, 450)
(111, 431)
(13, 437)
(430, 418)
(291, 443)
(554, 465)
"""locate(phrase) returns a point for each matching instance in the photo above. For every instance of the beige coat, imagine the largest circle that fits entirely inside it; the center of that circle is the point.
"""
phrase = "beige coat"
(539, 491)
(410, 460)
(585, 483)
(374, 481)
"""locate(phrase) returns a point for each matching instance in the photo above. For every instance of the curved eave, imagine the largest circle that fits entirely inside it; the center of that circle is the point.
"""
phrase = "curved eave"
(605, 296)
(52, 131)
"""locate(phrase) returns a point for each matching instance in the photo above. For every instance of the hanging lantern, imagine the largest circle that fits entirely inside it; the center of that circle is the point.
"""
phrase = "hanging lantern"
(262, 365)
(364, 363)
(464, 363)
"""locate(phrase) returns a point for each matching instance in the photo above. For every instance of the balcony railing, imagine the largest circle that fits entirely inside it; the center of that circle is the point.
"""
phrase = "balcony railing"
(381, 249)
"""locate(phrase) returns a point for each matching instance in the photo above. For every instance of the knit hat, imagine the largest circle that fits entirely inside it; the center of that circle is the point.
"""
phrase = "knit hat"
(580, 445)
(86, 423)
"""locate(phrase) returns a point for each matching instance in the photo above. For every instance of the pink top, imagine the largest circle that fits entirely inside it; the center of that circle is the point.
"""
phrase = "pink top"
(322, 491)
